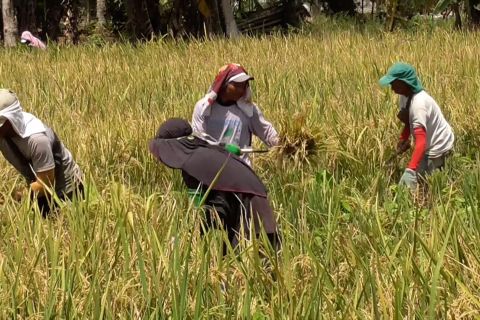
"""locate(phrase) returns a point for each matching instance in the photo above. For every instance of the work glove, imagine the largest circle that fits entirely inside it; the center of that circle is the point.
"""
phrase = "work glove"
(409, 179)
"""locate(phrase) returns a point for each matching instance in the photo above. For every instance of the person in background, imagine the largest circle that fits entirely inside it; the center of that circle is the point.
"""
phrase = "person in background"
(423, 120)
(29, 39)
(35, 151)
(226, 114)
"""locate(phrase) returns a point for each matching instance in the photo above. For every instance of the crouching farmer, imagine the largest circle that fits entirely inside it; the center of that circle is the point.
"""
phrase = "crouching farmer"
(35, 151)
(237, 197)
(422, 119)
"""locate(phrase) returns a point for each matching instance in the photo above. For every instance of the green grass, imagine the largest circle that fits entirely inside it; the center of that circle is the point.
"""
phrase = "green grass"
(353, 245)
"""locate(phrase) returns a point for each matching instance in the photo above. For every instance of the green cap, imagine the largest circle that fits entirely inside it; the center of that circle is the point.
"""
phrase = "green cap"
(233, 148)
(406, 73)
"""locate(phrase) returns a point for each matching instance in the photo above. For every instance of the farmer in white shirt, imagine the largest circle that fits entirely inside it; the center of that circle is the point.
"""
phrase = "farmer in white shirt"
(423, 119)
(35, 151)
(227, 114)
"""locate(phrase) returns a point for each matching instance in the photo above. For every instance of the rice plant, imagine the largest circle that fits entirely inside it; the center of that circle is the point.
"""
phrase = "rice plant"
(354, 246)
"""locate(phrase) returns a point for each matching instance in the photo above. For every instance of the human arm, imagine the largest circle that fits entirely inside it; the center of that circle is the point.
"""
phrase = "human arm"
(404, 142)
(420, 147)
(43, 164)
(45, 181)
(263, 129)
(418, 119)
(198, 117)
(409, 177)
(418, 122)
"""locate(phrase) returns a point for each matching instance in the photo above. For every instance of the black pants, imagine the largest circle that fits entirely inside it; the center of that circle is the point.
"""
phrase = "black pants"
(48, 204)
(230, 207)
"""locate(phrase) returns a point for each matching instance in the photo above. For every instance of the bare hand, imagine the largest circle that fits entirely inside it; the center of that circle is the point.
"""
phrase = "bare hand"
(18, 194)
(402, 146)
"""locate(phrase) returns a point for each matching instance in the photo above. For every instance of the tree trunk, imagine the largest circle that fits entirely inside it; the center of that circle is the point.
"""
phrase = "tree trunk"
(26, 13)
(177, 17)
(138, 20)
(473, 10)
(53, 16)
(393, 13)
(342, 6)
(10, 28)
(193, 19)
(230, 23)
(101, 14)
(458, 16)
(214, 25)
(153, 8)
(210, 17)
(70, 21)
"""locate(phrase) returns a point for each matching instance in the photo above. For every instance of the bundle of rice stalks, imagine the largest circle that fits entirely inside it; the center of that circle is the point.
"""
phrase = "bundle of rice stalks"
(298, 145)
(299, 140)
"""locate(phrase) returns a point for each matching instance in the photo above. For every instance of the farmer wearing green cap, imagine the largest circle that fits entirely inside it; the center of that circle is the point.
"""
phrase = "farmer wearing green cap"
(423, 119)
(35, 151)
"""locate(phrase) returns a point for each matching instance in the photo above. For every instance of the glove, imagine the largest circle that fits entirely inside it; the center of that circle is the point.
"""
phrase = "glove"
(409, 179)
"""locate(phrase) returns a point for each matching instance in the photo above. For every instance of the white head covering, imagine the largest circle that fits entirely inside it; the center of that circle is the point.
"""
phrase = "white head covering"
(24, 124)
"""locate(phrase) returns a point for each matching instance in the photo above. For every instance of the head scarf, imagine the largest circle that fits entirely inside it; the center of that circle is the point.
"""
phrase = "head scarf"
(226, 74)
(23, 123)
(28, 37)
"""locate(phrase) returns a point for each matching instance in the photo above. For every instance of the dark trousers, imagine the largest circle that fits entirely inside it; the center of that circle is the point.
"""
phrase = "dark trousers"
(48, 204)
(231, 209)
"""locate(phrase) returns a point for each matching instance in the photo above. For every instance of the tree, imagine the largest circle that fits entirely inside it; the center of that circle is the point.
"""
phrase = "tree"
(26, 14)
(153, 9)
(138, 20)
(53, 15)
(70, 21)
(342, 6)
(10, 27)
(101, 14)
(230, 23)
(458, 15)
(473, 12)
(192, 17)
(211, 16)
(472, 8)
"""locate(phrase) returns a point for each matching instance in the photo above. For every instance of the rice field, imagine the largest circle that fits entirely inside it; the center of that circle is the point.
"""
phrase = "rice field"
(354, 246)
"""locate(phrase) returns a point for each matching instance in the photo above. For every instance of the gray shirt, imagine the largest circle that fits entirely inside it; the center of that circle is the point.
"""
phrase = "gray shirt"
(42, 152)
